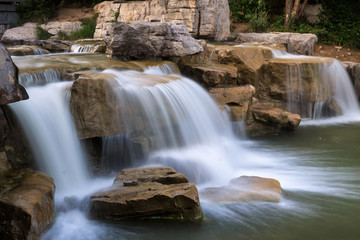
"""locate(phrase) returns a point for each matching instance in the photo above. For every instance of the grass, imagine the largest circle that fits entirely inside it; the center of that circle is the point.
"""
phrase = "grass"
(42, 34)
(87, 30)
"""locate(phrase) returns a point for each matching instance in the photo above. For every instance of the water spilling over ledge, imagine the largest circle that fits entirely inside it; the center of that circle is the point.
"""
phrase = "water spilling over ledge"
(157, 117)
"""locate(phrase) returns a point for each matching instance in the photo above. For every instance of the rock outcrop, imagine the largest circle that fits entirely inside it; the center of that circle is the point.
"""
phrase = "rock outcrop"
(245, 189)
(265, 119)
(203, 18)
(295, 43)
(150, 41)
(148, 193)
(26, 204)
(237, 99)
(354, 72)
(10, 89)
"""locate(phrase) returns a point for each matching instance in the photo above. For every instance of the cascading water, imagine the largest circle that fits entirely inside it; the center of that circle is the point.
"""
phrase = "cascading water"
(39, 78)
(174, 117)
(81, 48)
(179, 125)
(320, 89)
(47, 123)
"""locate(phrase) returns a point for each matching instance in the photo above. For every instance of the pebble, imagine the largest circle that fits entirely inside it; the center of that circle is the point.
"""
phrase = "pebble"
(349, 53)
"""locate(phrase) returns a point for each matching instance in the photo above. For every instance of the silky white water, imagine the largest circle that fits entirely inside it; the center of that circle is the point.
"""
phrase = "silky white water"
(332, 79)
(318, 167)
(47, 123)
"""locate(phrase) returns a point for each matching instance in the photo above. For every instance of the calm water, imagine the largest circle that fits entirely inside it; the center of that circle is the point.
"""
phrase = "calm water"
(319, 169)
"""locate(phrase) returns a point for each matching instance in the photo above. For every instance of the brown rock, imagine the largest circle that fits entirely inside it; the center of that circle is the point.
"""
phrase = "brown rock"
(238, 99)
(264, 119)
(26, 204)
(245, 189)
(211, 75)
(150, 193)
(93, 108)
(23, 50)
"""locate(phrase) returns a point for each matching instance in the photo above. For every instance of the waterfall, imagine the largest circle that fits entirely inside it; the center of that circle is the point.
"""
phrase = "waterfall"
(39, 78)
(82, 48)
(320, 89)
(47, 123)
(176, 121)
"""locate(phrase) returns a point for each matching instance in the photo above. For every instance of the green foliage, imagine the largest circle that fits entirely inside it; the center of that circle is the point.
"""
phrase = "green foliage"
(42, 34)
(87, 30)
(38, 11)
(259, 22)
(79, 3)
(339, 24)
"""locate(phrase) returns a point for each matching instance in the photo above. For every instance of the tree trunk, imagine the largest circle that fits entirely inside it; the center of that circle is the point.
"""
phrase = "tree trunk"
(288, 7)
(302, 9)
(293, 10)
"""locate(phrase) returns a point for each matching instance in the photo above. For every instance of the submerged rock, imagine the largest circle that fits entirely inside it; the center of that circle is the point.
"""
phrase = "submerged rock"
(26, 204)
(23, 50)
(295, 43)
(148, 193)
(245, 189)
(150, 41)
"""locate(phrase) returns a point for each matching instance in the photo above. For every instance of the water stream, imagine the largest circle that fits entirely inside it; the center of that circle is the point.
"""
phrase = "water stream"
(318, 166)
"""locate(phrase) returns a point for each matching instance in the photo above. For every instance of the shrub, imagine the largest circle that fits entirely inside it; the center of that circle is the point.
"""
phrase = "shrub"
(42, 34)
(38, 11)
(259, 22)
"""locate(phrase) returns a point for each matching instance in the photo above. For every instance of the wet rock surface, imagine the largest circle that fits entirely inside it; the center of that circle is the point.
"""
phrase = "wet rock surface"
(245, 189)
(26, 204)
(265, 119)
(148, 193)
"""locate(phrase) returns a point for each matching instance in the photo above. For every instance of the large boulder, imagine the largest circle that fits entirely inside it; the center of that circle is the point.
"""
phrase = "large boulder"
(295, 43)
(150, 193)
(10, 89)
(26, 204)
(203, 18)
(150, 40)
(245, 189)
(20, 35)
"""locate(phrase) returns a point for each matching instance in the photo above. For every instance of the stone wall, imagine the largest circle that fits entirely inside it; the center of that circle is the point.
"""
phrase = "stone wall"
(203, 18)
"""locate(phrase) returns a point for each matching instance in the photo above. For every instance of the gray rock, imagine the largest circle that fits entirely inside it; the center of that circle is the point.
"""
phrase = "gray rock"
(20, 35)
(295, 43)
(10, 89)
(150, 40)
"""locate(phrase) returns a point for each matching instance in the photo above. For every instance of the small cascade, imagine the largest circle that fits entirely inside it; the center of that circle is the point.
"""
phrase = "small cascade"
(39, 51)
(47, 123)
(39, 78)
(81, 48)
(172, 120)
(318, 88)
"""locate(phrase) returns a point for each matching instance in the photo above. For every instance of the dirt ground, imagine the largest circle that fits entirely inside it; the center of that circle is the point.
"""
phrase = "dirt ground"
(73, 14)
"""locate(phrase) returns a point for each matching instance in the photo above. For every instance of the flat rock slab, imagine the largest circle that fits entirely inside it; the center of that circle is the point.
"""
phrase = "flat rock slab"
(26, 204)
(295, 43)
(148, 193)
(245, 189)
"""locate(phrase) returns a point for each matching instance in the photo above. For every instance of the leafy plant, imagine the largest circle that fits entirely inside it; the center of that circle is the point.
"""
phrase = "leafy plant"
(87, 30)
(42, 34)
(259, 22)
